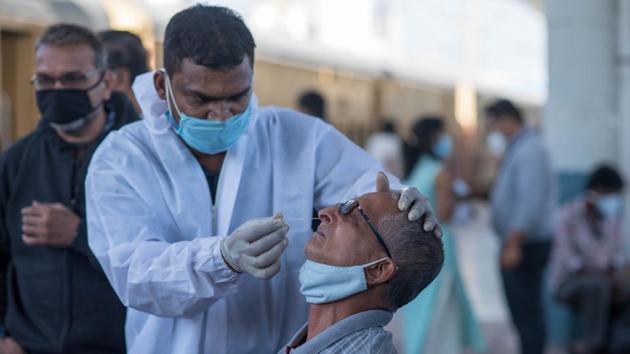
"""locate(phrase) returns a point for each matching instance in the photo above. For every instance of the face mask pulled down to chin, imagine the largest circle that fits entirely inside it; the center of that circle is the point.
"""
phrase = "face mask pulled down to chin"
(323, 283)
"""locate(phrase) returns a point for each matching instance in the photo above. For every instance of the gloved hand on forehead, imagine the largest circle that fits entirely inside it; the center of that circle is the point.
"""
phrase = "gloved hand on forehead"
(413, 201)
(256, 246)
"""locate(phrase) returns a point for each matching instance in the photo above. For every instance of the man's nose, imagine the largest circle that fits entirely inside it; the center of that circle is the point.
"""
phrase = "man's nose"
(219, 110)
(328, 215)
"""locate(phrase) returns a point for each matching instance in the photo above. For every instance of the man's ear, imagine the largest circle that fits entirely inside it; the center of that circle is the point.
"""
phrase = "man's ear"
(122, 78)
(380, 273)
(108, 81)
(159, 81)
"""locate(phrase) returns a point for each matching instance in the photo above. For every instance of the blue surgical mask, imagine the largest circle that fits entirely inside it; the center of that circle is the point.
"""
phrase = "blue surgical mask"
(206, 135)
(443, 147)
(610, 206)
(323, 283)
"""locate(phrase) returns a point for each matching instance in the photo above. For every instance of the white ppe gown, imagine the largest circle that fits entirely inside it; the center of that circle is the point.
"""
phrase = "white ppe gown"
(156, 233)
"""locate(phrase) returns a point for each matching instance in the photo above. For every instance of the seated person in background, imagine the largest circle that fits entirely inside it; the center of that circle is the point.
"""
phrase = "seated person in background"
(364, 262)
(588, 249)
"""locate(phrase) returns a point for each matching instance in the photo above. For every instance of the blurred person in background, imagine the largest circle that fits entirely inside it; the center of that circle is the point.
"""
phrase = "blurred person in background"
(440, 320)
(126, 59)
(55, 297)
(588, 252)
(386, 147)
(522, 203)
(311, 102)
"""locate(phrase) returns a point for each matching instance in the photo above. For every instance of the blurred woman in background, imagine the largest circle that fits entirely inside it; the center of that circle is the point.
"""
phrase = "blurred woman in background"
(440, 320)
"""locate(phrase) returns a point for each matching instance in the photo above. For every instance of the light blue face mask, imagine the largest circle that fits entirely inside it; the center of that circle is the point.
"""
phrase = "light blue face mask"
(443, 147)
(323, 283)
(610, 206)
(206, 135)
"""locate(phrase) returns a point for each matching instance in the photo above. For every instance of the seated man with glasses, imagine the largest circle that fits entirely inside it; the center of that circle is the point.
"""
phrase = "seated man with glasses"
(365, 261)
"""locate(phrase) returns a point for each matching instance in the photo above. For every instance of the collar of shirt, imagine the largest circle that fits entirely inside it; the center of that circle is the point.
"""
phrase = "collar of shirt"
(607, 228)
(356, 322)
(522, 135)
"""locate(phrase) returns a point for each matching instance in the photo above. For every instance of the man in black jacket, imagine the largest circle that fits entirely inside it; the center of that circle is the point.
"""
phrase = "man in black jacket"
(54, 297)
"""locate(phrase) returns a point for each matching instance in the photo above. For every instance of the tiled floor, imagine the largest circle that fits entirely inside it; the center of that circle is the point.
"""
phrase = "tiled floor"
(478, 260)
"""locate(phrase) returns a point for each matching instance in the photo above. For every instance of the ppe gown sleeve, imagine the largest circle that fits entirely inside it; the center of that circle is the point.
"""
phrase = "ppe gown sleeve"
(344, 170)
(149, 273)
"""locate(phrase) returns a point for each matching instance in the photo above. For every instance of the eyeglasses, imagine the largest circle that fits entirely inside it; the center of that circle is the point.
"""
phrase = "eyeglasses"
(347, 207)
(73, 80)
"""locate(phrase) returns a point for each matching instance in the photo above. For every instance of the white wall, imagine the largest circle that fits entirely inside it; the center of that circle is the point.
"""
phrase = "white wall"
(581, 124)
(497, 45)
(623, 61)
(587, 118)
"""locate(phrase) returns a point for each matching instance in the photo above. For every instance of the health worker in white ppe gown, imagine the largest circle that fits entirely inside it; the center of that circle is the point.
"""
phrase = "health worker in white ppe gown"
(199, 213)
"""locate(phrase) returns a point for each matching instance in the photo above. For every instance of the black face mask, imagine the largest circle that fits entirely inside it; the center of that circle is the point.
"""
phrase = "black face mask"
(68, 110)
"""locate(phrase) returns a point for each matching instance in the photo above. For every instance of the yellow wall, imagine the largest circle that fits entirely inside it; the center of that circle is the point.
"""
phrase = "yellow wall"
(404, 103)
(126, 15)
(356, 104)
(349, 98)
(17, 42)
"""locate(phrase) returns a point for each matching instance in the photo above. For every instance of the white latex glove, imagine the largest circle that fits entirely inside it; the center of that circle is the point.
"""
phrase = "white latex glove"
(256, 246)
(412, 201)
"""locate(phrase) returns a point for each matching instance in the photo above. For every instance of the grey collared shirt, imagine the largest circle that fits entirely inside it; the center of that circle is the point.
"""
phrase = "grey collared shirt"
(523, 196)
(359, 333)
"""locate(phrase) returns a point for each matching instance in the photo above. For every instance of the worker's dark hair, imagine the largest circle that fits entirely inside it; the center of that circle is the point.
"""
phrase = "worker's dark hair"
(64, 34)
(314, 102)
(605, 178)
(213, 36)
(124, 50)
(504, 109)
